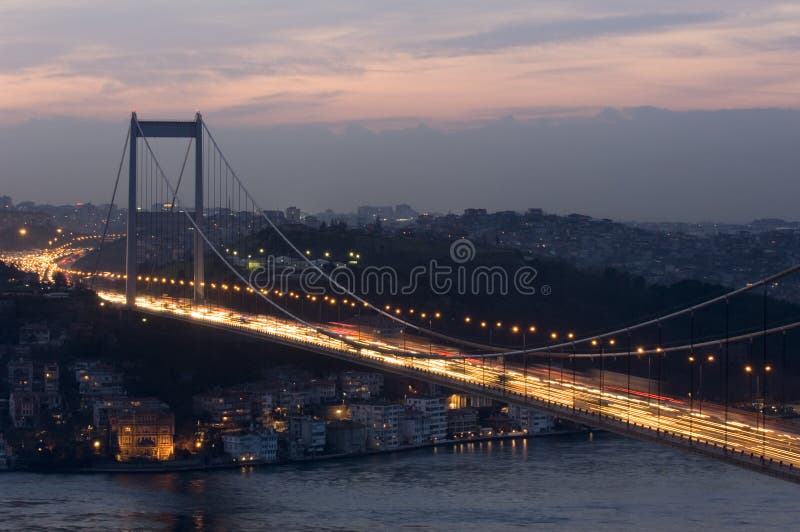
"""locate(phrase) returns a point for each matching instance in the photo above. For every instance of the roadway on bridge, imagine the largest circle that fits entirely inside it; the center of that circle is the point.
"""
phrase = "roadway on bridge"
(729, 431)
(738, 431)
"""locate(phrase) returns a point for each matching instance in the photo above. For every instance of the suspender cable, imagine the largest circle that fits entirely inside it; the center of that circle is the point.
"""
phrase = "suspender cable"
(110, 207)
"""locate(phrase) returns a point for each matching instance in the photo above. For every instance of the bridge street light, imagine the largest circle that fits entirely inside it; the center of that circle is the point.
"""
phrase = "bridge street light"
(710, 359)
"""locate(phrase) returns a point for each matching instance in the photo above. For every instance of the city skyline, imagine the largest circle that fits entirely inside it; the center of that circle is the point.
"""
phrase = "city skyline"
(720, 166)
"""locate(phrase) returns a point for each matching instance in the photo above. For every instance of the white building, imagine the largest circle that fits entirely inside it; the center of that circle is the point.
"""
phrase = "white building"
(434, 413)
(261, 446)
(529, 420)
(382, 420)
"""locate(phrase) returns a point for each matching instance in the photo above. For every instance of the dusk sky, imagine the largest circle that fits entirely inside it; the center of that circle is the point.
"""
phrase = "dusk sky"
(451, 65)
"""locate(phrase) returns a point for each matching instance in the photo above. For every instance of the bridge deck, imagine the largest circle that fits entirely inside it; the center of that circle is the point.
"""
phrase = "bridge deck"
(728, 435)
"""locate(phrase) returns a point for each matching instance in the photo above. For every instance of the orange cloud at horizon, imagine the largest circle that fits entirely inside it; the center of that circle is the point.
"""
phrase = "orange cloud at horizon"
(726, 64)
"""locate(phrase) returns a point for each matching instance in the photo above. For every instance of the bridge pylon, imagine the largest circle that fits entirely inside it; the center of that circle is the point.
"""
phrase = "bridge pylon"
(164, 129)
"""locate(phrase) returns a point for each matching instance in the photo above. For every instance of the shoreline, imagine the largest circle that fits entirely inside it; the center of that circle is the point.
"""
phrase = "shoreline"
(166, 467)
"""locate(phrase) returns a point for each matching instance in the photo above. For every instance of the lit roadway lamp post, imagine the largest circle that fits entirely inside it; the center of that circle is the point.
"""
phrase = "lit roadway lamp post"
(748, 369)
(594, 343)
(710, 359)
(570, 336)
(612, 342)
(572, 361)
(553, 337)
(691, 395)
(430, 328)
(658, 387)
(767, 371)
(483, 359)
(515, 329)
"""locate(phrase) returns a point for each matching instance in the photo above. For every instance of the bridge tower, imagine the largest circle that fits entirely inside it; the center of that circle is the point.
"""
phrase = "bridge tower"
(165, 129)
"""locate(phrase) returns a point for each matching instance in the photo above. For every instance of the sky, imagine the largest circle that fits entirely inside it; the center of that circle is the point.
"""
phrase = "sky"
(438, 72)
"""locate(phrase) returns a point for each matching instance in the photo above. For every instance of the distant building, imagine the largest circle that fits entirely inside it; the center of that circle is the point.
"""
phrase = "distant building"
(294, 398)
(34, 334)
(529, 420)
(346, 437)
(104, 409)
(261, 400)
(20, 375)
(261, 446)
(276, 217)
(382, 420)
(5, 454)
(143, 430)
(404, 212)
(26, 375)
(413, 429)
(96, 380)
(360, 385)
(434, 416)
(293, 215)
(474, 212)
(225, 409)
(323, 390)
(462, 422)
(25, 408)
(308, 433)
(367, 214)
(7, 306)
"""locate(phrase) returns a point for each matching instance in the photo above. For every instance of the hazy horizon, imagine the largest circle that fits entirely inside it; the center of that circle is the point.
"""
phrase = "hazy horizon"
(637, 164)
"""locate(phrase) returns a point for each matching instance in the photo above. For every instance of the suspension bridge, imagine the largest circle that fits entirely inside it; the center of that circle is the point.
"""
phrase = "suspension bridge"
(184, 263)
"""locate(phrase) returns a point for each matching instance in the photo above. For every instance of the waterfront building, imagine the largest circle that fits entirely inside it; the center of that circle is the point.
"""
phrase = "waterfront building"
(143, 431)
(103, 409)
(434, 415)
(413, 429)
(462, 422)
(308, 433)
(346, 437)
(382, 420)
(259, 446)
(529, 420)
